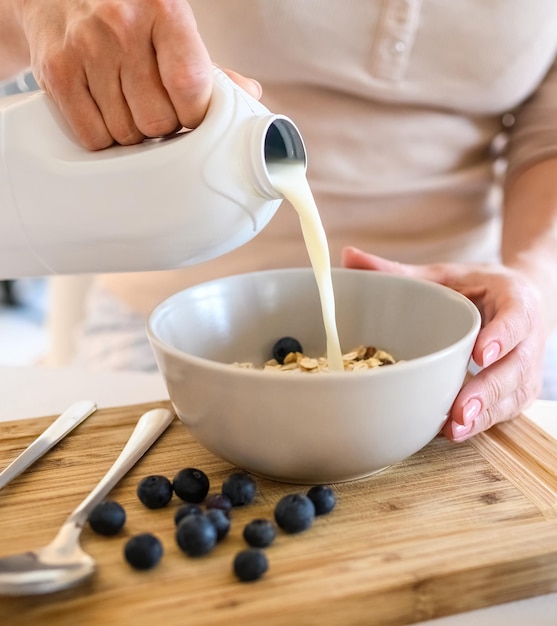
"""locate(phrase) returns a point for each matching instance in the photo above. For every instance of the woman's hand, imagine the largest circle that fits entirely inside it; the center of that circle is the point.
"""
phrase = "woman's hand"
(510, 345)
(121, 70)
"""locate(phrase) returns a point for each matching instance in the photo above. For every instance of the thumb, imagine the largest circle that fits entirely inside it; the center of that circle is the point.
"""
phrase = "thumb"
(358, 259)
(355, 258)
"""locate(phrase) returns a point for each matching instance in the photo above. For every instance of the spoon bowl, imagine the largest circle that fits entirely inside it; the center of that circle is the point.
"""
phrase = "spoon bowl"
(39, 572)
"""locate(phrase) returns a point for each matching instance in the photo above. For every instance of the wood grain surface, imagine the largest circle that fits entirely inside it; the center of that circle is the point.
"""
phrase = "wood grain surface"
(454, 528)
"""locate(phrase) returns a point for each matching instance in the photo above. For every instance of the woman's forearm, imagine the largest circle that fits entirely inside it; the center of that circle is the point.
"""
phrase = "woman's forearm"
(14, 51)
(530, 229)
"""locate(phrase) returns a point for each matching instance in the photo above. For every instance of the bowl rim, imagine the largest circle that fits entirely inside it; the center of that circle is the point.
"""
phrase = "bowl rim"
(379, 371)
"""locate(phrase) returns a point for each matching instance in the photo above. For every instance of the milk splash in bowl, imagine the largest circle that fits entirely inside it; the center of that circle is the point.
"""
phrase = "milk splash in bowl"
(289, 178)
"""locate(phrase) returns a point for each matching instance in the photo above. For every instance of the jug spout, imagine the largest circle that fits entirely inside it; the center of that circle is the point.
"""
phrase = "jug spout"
(276, 138)
(283, 141)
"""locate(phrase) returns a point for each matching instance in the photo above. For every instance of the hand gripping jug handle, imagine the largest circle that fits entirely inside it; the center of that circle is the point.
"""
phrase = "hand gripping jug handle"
(162, 204)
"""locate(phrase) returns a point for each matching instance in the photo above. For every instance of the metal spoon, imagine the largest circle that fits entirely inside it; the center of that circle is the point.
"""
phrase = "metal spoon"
(62, 563)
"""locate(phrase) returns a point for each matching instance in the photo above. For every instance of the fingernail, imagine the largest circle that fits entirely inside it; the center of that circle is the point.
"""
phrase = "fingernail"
(490, 354)
(471, 410)
(459, 430)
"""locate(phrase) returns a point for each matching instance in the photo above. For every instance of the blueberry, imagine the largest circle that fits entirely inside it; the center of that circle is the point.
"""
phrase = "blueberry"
(219, 501)
(155, 491)
(196, 535)
(294, 513)
(250, 564)
(323, 498)
(191, 485)
(240, 488)
(220, 521)
(284, 346)
(143, 551)
(107, 518)
(186, 509)
(260, 533)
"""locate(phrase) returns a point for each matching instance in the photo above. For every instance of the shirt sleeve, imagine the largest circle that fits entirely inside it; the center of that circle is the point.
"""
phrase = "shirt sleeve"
(533, 137)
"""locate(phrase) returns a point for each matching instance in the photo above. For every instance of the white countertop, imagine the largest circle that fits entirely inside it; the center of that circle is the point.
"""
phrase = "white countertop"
(35, 392)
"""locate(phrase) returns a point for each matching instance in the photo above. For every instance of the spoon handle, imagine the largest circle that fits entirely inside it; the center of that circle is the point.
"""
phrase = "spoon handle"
(148, 429)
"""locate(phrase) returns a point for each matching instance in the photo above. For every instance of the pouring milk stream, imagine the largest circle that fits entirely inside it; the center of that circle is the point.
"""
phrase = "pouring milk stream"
(289, 177)
(161, 204)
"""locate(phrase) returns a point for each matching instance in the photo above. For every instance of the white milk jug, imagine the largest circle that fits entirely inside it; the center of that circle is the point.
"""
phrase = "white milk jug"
(162, 204)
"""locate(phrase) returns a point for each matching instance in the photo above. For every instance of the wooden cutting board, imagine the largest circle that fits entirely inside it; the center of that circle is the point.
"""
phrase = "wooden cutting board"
(454, 528)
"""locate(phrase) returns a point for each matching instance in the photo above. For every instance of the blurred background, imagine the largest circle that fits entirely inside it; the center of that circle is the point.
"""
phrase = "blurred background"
(23, 315)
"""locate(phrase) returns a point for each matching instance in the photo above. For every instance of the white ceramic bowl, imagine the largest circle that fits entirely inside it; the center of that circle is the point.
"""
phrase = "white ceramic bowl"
(313, 428)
